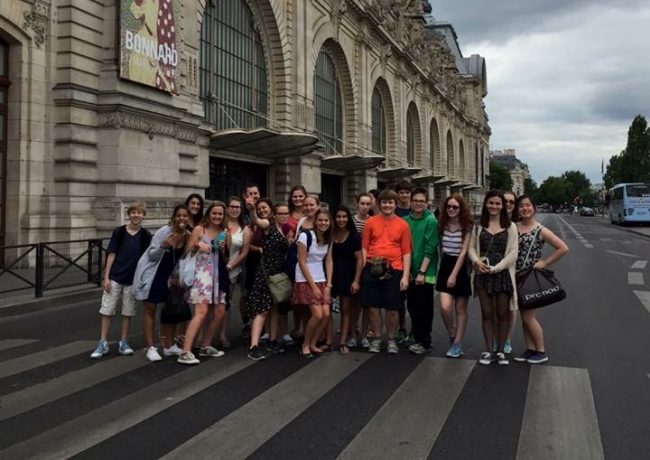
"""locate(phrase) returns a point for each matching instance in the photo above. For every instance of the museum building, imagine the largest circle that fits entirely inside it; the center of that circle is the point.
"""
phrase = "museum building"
(105, 101)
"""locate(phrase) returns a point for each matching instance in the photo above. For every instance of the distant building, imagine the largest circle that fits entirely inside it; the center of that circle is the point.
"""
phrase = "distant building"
(518, 170)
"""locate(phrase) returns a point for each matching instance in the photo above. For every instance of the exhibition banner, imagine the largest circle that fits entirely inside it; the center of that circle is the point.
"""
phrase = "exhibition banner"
(148, 51)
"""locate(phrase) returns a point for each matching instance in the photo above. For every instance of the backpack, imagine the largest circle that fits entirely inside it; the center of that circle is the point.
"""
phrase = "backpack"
(291, 261)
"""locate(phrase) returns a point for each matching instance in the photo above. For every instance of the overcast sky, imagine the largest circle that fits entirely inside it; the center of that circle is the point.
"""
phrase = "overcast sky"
(565, 77)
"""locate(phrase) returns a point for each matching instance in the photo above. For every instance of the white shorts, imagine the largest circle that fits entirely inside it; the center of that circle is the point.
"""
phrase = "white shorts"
(111, 299)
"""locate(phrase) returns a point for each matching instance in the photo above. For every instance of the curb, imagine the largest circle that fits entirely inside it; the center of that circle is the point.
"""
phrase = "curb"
(18, 307)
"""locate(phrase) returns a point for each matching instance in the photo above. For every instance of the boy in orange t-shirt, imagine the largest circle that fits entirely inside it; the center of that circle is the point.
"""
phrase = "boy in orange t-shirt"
(386, 246)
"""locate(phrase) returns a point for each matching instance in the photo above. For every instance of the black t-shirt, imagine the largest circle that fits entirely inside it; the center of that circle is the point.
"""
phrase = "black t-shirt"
(126, 255)
(402, 212)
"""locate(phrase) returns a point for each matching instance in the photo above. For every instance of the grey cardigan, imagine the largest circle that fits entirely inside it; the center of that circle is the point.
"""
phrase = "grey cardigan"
(148, 264)
(509, 261)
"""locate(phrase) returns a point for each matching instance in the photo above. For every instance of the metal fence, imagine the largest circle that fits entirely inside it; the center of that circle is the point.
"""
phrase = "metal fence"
(53, 265)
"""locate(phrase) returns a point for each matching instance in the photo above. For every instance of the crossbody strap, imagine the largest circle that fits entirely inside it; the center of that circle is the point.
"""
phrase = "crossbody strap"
(530, 246)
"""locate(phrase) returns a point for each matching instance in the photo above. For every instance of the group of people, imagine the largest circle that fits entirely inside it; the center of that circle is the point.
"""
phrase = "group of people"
(373, 265)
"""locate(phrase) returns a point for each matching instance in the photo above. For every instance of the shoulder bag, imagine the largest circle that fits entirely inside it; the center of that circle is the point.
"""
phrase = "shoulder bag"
(279, 285)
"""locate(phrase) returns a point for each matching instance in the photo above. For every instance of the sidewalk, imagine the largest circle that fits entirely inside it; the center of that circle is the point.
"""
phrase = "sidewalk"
(19, 302)
(638, 229)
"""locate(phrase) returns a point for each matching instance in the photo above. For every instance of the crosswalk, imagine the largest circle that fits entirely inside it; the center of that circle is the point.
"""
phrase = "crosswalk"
(346, 407)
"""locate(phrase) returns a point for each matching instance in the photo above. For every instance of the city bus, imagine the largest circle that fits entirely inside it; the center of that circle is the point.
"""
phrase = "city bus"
(629, 203)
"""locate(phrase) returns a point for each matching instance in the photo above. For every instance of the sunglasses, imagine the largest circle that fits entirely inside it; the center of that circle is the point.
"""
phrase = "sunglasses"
(453, 206)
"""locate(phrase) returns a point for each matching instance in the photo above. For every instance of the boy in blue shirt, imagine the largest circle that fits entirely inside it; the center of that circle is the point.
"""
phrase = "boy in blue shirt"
(128, 242)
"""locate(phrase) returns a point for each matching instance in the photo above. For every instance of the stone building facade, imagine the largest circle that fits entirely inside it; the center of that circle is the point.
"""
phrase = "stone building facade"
(518, 170)
(339, 95)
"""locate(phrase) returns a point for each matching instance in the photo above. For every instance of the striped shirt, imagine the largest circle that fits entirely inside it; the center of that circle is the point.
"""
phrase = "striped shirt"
(358, 224)
(452, 242)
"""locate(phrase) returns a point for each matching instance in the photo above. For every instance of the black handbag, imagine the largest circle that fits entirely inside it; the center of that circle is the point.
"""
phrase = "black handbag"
(176, 309)
(538, 287)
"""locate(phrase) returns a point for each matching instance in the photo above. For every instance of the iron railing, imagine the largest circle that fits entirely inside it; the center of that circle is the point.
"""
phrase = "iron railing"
(51, 265)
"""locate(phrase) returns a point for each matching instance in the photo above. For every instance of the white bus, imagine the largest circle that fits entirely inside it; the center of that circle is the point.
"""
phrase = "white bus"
(629, 203)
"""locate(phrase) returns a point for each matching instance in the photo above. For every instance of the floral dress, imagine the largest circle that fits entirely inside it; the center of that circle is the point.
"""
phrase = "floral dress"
(533, 242)
(208, 286)
(274, 250)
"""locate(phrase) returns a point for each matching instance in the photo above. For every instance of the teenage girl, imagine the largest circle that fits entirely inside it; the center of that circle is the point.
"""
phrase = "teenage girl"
(347, 262)
(152, 276)
(211, 282)
(532, 236)
(453, 281)
(314, 280)
(493, 252)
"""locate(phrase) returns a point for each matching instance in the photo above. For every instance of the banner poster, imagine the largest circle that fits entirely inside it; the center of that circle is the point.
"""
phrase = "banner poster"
(148, 51)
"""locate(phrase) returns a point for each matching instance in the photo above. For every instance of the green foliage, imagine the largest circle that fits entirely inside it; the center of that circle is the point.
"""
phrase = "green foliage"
(633, 163)
(572, 187)
(499, 177)
(531, 189)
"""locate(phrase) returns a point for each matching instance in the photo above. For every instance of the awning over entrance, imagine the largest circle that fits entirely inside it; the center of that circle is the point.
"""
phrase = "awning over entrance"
(446, 181)
(472, 187)
(427, 176)
(397, 173)
(264, 142)
(352, 162)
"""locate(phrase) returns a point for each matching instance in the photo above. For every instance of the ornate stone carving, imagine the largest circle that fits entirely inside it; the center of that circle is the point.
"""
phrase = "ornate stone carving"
(384, 55)
(339, 7)
(37, 19)
(149, 126)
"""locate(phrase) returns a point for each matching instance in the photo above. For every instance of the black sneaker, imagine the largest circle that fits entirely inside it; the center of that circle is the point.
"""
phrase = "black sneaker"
(255, 354)
(275, 347)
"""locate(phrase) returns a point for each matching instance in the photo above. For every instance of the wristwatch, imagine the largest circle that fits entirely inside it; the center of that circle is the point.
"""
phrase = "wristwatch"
(420, 272)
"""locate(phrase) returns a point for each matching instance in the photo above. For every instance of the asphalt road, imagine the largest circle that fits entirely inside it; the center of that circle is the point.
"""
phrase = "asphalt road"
(591, 400)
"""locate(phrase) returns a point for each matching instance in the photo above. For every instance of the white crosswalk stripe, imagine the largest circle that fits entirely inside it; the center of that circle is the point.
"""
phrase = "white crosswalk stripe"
(559, 401)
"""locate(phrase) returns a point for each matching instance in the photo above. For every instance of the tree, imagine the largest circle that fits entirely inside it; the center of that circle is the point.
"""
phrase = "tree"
(578, 186)
(554, 192)
(499, 177)
(633, 163)
(531, 189)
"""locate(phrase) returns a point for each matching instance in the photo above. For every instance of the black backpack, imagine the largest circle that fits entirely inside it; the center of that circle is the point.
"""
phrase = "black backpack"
(292, 255)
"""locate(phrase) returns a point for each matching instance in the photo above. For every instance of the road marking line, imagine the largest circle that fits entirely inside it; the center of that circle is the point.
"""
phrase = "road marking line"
(560, 419)
(82, 433)
(232, 437)
(14, 343)
(41, 358)
(639, 264)
(43, 393)
(424, 406)
(635, 278)
(644, 298)
(577, 234)
(606, 239)
(625, 254)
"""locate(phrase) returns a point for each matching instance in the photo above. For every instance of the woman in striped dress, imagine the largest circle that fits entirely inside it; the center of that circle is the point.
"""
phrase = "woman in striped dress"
(453, 282)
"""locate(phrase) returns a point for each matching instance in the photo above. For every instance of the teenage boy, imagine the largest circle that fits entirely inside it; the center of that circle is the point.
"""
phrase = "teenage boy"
(386, 247)
(403, 190)
(424, 261)
(128, 242)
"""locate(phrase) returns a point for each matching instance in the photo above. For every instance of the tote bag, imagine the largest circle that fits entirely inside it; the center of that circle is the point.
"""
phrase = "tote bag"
(538, 287)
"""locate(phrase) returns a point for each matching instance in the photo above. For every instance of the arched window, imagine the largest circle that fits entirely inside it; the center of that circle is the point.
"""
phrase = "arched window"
(328, 106)
(434, 135)
(233, 84)
(378, 123)
(450, 155)
(410, 139)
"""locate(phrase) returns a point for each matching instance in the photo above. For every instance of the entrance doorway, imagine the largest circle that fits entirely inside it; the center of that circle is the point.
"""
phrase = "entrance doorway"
(331, 190)
(228, 178)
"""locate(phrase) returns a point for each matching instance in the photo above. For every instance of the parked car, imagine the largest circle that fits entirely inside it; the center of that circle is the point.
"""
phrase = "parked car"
(587, 212)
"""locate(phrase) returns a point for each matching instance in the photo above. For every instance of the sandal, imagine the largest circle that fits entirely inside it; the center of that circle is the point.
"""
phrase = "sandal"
(306, 355)
(343, 349)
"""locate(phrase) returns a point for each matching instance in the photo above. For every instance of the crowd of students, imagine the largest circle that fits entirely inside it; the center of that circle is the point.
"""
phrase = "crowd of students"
(387, 258)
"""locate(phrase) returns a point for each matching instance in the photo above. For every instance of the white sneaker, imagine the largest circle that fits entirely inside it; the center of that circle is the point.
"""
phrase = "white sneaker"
(264, 337)
(153, 355)
(365, 343)
(352, 342)
(174, 350)
(187, 358)
(502, 360)
(286, 338)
